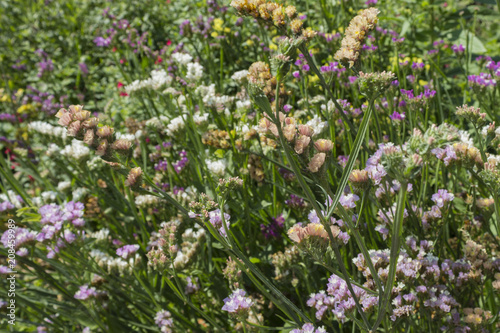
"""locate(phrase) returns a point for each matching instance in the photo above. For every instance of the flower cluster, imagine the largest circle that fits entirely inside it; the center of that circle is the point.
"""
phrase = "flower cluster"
(355, 35)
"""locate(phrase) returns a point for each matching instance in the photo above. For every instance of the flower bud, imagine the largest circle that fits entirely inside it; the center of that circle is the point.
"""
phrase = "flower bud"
(105, 131)
(134, 178)
(316, 162)
(301, 144)
(306, 130)
(323, 146)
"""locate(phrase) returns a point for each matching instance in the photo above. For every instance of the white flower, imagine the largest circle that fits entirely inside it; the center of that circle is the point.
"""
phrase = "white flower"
(194, 71)
(318, 125)
(48, 196)
(47, 129)
(175, 125)
(146, 200)
(210, 98)
(158, 79)
(216, 167)
(198, 119)
(241, 105)
(182, 58)
(100, 235)
(76, 150)
(79, 193)
(53, 149)
(121, 136)
(63, 186)
(240, 76)
(95, 163)
(465, 138)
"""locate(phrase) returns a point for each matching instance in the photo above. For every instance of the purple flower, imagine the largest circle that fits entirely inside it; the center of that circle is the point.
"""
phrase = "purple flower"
(85, 293)
(309, 328)
(83, 68)
(295, 202)
(296, 74)
(348, 201)
(442, 197)
(287, 108)
(73, 210)
(215, 217)
(6, 205)
(45, 66)
(102, 42)
(237, 302)
(458, 48)
(126, 251)
(396, 116)
(163, 319)
(192, 285)
(273, 229)
(22, 236)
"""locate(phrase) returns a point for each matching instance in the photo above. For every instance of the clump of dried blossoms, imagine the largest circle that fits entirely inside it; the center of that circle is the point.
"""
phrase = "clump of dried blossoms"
(83, 127)
(355, 35)
(274, 13)
(471, 114)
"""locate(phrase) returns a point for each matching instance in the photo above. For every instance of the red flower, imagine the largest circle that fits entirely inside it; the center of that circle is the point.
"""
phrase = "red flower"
(123, 94)
(119, 85)
(158, 60)
(169, 42)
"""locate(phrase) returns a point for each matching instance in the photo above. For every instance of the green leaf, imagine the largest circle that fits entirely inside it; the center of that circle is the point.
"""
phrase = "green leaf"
(219, 153)
(254, 260)
(475, 45)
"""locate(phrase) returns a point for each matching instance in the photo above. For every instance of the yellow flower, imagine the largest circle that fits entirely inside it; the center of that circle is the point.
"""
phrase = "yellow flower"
(313, 78)
(273, 46)
(423, 83)
(227, 29)
(214, 34)
(249, 42)
(25, 108)
(218, 24)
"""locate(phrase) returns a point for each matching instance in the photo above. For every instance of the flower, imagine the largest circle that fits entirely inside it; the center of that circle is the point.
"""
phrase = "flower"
(442, 197)
(215, 217)
(126, 251)
(237, 303)
(163, 319)
(348, 201)
(355, 35)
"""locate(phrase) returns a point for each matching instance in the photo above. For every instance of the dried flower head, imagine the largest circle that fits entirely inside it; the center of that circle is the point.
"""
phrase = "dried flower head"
(355, 35)
(134, 178)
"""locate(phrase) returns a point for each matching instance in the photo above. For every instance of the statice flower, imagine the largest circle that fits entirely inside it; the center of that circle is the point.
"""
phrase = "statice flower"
(442, 197)
(217, 167)
(22, 236)
(181, 163)
(458, 49)
(126, 251)
(479, 83)
(102, 42)
(192, 285)
(215, 217)
(355, 35)
(309, 328)
(338, 300)
(348, 200)
(86, 293)
(163, 319)
(237, 303)
(273, 229)
(6, 205)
